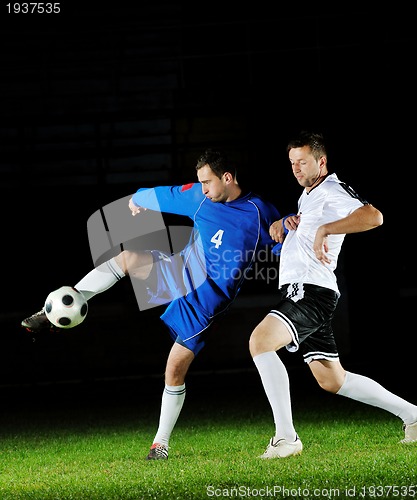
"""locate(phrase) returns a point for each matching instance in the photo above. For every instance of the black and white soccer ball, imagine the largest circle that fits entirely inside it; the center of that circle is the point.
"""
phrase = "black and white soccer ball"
(66, 307)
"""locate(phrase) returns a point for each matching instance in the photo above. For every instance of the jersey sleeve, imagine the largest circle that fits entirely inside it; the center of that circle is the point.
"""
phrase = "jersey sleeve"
(269, 214)
(179, 200)
(344, 199)
(273, 214)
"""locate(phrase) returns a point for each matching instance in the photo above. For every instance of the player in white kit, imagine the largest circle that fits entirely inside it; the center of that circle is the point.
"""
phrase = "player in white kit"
(328, 209)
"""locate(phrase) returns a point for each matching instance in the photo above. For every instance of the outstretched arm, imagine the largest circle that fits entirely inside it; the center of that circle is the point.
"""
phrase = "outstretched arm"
(135, 209)
(362, 219)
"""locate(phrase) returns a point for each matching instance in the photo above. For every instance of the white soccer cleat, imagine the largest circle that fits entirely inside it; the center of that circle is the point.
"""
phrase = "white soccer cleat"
(410, 433)
(282, 448)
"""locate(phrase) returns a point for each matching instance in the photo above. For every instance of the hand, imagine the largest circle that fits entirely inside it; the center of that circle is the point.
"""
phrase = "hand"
(291, 222)
(135, 209)
(276, 229)
(320, 246)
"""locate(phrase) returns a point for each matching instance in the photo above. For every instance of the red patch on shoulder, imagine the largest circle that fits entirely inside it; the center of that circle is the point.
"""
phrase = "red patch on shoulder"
(187, 186)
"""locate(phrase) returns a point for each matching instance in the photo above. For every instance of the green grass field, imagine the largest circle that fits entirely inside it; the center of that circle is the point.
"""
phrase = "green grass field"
(90, 443)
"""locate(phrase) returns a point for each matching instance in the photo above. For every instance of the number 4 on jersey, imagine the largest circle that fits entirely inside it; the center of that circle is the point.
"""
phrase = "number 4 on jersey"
(217, 238)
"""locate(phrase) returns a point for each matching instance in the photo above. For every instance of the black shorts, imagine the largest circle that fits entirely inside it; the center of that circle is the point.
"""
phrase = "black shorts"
(307, 311)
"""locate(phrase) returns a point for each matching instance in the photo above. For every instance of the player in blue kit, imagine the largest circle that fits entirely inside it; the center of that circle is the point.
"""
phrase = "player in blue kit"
(199, 284)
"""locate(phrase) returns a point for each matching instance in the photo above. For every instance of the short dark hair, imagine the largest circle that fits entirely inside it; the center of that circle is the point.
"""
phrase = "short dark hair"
(218, 162)
(314, 140)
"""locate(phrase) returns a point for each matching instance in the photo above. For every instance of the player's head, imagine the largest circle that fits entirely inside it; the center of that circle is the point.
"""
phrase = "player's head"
(308, 158)
(217, 161)
(217, 177)
(313, 140)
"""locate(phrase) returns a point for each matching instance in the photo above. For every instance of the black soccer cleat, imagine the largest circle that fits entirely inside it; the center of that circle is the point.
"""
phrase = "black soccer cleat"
(158, 452)
(38, 322)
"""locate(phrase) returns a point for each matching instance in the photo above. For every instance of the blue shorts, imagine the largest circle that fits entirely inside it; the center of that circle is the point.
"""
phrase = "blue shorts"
(187, 325)
(165, 282)
(307, 311)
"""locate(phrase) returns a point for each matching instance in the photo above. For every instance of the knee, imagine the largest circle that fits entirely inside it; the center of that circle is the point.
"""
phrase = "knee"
(254, 343)
(331, 384)
(269, 335)
(178, 363)
(175, 374)
(136, 264)
(123, 260)
(258, 341)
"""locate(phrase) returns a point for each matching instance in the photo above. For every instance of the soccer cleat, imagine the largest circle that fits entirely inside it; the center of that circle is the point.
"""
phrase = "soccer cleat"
(158, 452)
(410, 433)
(282, 448)
(38, 322)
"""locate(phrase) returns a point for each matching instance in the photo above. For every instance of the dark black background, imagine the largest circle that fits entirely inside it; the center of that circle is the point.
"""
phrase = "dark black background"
(97, 101)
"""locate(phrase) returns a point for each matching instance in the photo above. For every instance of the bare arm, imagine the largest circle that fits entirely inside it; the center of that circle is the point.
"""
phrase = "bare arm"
(362, 219)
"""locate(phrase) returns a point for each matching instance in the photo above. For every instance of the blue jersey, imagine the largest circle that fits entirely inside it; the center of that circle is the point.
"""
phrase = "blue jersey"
(225, 241)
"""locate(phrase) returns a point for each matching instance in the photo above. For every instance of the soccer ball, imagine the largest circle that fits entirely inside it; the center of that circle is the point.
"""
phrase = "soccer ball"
(66, 307)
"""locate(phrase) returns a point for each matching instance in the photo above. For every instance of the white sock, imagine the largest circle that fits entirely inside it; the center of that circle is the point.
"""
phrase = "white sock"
(172, 400)
(276, 383)
(370, 392)
(100, 279)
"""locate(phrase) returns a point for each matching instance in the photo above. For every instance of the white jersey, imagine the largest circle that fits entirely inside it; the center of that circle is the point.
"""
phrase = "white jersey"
(331, 200)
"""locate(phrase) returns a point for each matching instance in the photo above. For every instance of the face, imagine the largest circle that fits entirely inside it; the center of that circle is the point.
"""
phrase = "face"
(213, 188)
(305, 167)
